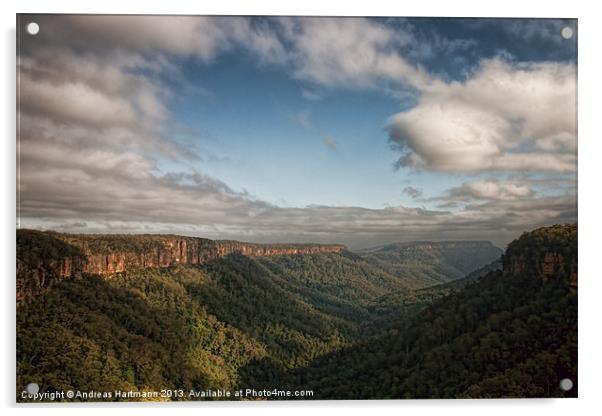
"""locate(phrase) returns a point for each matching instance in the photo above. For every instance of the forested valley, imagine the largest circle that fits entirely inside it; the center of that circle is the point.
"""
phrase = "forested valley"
(401, 321)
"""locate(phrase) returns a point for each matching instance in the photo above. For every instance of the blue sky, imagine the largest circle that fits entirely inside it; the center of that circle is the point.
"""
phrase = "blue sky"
(362, 131)
(255, 129)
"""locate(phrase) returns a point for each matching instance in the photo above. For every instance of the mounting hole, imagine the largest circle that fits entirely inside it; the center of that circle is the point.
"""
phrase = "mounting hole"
(32, 388)
(566, 32)
(32, 28)
(566, 384)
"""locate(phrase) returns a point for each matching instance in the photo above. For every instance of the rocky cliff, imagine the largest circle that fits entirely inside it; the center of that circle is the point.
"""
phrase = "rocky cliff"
(548, 252)
(46, 258)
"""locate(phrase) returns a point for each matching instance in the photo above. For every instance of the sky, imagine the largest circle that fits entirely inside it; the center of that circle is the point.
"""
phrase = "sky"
(361, 131)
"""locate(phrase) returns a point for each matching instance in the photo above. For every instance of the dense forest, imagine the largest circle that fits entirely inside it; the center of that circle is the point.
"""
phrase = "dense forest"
(504, 336)
(343, 325)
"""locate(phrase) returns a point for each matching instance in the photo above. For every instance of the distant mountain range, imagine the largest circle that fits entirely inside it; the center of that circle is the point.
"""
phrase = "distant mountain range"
(423, 264)
(46, 258)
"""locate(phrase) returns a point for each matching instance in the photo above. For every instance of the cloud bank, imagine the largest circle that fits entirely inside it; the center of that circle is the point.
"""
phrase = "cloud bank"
(95, 130)
(506, 117)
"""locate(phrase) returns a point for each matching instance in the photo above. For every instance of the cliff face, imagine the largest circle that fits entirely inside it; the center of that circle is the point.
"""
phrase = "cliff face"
(549, 265)
(179, 251)
(549, 252)
(40, 268)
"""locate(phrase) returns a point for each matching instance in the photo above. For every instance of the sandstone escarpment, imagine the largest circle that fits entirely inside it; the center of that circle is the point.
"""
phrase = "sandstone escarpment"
(44, 259)
(549, 252)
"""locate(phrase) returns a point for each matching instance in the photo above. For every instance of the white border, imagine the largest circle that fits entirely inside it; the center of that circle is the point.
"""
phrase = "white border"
(590, 152)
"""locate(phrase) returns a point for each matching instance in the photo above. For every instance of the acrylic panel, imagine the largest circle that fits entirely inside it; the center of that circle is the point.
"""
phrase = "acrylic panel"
(295, 208)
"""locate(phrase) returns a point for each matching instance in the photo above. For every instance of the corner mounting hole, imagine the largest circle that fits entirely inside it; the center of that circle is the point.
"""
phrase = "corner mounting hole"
(566, 384)
(566, 32)
(32, 388)
(33, 28)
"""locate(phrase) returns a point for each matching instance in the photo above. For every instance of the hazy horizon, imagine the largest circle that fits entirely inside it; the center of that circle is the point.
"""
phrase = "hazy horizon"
(359, 131)
(351, 248)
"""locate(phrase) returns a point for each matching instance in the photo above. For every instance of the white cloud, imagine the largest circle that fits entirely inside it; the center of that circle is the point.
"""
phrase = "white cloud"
(311, 95)
(491, 190)
(505, 117)
(199, 36)
(335, 52)
(75, 103)
(93, 129)
(349, 53)
(412, 192)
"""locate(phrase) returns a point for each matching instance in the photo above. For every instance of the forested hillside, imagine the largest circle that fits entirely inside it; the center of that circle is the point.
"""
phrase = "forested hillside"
(505, 336)
(423, 264)
(510, 333)
(336, 323)
(236, 321)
